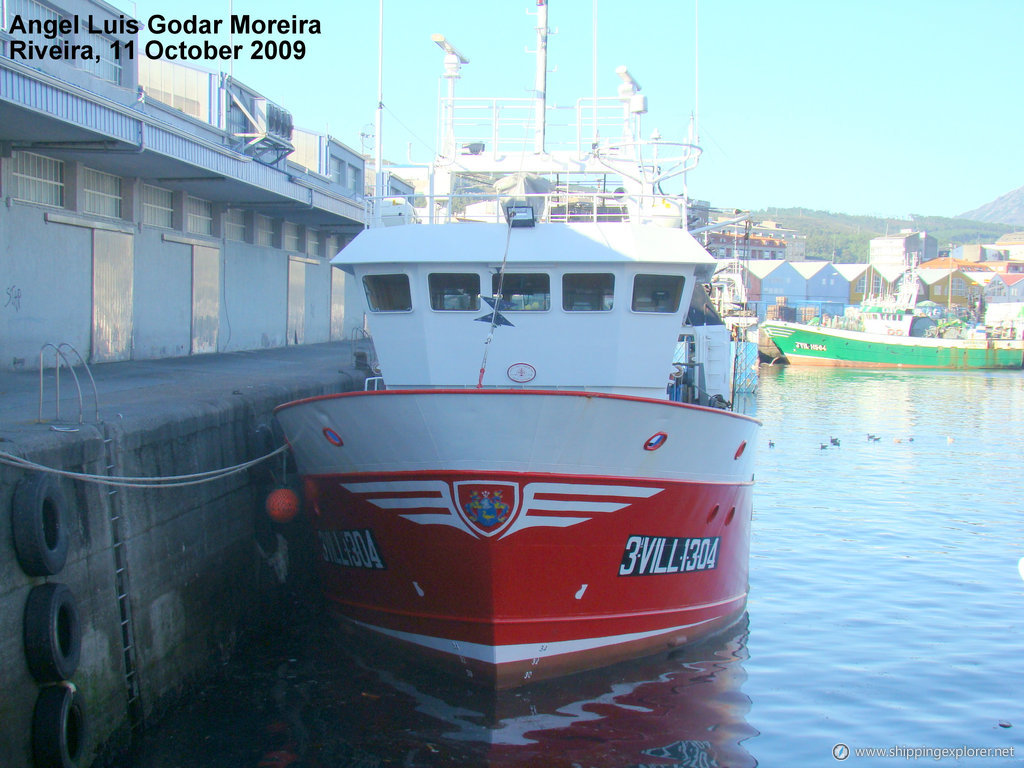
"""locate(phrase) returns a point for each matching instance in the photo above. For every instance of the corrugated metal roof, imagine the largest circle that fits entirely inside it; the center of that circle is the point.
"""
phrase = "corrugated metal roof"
(54, 110)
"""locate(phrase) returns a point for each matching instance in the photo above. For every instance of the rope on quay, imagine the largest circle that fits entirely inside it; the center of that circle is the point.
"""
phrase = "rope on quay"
(173, 481)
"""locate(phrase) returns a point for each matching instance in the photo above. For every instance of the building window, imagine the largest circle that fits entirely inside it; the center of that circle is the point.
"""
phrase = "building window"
(453, 291)
(199, 216)
(587, 292)
(30, 10)
(330, 246)
(338, 167)
(157, 206)
(234, 224)
(177, 86)
(290, 237)
(959, 286)
(107, 67)
(264, 231)
(101, 193)
(312, 242)
(37, 179)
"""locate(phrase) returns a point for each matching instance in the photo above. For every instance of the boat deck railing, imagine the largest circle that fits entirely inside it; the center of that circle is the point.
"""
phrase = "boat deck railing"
(501, 125)
(560, 206)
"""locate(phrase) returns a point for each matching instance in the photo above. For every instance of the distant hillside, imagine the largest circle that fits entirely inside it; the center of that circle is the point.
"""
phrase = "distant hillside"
(844, 238)
(1008, 209)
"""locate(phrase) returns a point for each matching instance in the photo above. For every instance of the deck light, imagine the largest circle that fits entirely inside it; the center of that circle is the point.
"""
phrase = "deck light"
(520, 216)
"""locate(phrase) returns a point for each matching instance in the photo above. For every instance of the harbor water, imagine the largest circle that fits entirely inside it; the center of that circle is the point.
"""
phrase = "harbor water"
(885, 623)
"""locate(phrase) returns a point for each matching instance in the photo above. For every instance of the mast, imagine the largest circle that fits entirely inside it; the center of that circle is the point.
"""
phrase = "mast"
(542, 76)
(380, 183)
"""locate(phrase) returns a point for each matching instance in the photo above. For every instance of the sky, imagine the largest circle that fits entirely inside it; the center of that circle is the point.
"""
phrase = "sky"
(884, 108)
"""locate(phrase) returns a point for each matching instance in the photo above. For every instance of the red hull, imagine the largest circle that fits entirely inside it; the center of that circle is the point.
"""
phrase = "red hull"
(654, 564)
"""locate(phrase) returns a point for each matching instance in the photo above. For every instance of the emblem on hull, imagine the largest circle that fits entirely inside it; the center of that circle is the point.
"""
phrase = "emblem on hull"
(495, 508)
(487, 507)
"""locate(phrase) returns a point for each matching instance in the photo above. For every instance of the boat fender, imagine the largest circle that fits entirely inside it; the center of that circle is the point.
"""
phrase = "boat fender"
(283, 505)
(39, 519)
(52, 633)
(58, 727)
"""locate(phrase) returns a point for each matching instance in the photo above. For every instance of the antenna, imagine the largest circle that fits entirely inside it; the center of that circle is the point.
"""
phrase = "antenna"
(541, 87)
(696, 71)
(453, 61)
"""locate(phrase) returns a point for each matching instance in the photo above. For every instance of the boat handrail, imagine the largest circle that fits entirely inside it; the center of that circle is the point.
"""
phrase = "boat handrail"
(559, 206)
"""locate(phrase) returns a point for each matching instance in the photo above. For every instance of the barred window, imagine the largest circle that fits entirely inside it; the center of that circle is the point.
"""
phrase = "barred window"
(234, 224)
(107, 67)
(30, 10)
(101, 193)
(200, 216)
(37, 179)
(290, 237)
(312, 242)
(264, 231)
(157, 206)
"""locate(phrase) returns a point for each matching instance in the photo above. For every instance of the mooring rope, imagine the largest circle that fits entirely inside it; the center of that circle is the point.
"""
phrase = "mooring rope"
(497, 304)
(172, 481)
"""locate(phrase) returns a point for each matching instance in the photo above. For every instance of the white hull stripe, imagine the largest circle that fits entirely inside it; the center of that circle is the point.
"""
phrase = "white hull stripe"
(505, 654)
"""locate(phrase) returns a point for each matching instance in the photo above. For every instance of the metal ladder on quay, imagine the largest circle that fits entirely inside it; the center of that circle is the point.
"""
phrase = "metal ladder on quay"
(121, 590)
(121, 581)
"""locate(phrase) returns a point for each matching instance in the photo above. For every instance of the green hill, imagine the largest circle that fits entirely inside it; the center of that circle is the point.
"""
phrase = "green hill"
(844, 238)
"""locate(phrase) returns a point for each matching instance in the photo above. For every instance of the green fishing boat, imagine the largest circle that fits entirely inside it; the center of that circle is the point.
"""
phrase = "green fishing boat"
(804, 344)
(893, 333)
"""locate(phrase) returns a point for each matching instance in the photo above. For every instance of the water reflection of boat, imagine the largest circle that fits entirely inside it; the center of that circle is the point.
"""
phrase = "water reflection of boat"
(683, 709)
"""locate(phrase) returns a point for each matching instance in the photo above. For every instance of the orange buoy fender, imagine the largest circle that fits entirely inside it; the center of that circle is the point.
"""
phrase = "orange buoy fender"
(53, 634)
(39, 520)
(58, 727)
(283, 505)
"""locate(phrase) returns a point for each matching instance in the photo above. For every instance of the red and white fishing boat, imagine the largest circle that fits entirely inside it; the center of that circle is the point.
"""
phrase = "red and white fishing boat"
(523, 499)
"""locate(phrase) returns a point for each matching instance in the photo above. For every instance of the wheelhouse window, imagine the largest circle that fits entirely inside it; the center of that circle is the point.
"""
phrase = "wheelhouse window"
(657, 293)
(585, 292)
(523, 292)
(454, 291)
(388, 293)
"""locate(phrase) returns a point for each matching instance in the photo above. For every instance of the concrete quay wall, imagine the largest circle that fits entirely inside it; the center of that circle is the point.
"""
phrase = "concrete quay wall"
(162, 578)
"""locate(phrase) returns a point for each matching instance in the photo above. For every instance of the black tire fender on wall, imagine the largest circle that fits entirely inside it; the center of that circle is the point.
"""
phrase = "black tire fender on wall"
(40, 522)
(58, 727)
(53, 634)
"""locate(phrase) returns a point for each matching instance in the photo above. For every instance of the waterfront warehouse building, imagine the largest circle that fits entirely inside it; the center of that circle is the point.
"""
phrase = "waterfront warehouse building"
(157, 210)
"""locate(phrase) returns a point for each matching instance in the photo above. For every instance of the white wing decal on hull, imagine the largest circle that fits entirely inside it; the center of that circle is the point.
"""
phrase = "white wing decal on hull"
(544, 504)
